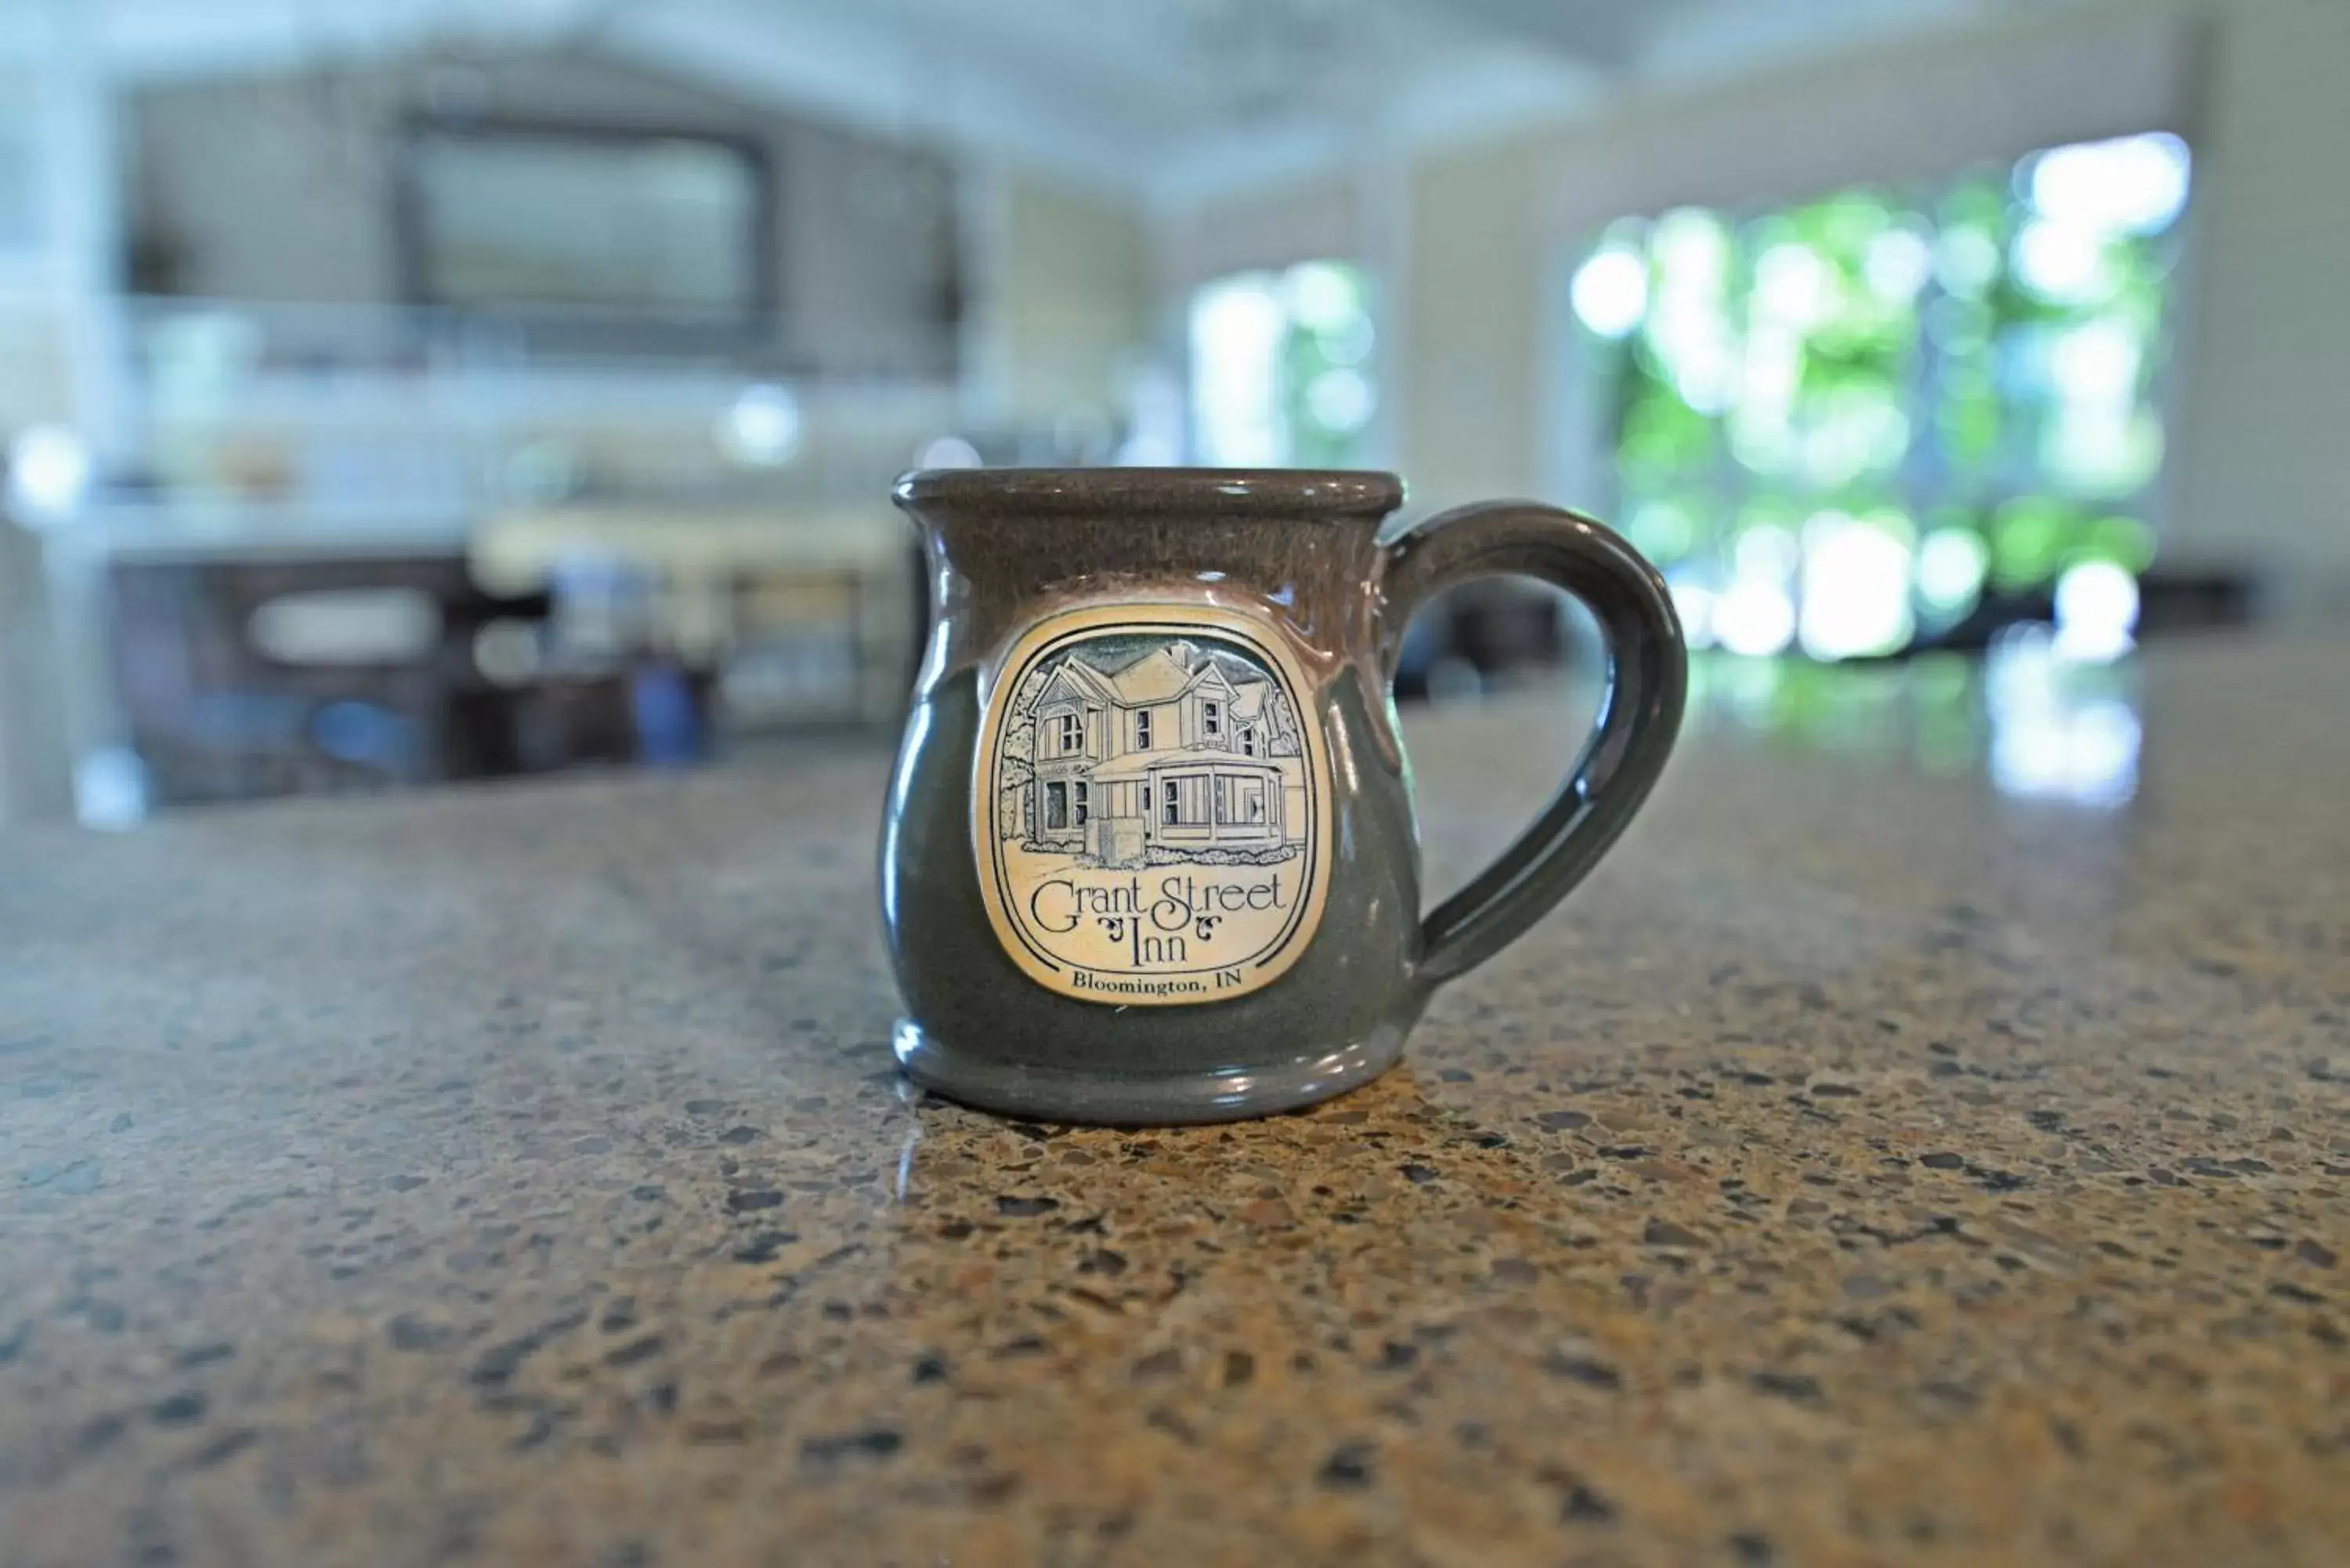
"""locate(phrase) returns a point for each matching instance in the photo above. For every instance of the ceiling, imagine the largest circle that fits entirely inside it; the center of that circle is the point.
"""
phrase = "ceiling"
(1170, 100)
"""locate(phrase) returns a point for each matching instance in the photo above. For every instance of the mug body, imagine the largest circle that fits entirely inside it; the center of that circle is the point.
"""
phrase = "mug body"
(1149, 852)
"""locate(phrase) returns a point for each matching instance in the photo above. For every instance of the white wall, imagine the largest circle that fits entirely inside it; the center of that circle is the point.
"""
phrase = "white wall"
(275, 188)
(1305, 221)
(1062, 306)
(279, 188)
(2261, 437)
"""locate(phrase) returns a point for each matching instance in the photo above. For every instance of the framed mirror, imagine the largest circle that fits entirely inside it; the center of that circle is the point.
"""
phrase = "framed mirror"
(589, 231)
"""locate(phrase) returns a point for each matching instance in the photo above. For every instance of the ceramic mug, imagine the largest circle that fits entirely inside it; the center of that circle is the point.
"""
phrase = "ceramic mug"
(1148, 853)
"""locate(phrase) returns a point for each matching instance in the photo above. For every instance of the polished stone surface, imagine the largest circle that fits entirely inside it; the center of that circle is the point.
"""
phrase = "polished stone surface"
(1867, 1166)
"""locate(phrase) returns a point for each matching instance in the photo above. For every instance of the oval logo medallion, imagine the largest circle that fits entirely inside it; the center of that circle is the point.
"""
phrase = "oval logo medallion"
(1152, 805)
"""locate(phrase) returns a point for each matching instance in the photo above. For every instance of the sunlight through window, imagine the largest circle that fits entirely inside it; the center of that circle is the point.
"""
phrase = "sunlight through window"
(1282, 368)
(1867, 419)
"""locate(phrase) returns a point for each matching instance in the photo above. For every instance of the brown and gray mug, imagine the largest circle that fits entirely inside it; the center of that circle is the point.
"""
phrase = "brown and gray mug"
(1149, 854)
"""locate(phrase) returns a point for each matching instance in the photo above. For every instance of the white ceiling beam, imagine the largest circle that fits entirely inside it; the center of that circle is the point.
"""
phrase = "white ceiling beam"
(1475, 95)
(1123, 110)
(882, 79)
(146, 40)
(1602, 34)
(1478, 94)
(1712, 39)
(850, 65)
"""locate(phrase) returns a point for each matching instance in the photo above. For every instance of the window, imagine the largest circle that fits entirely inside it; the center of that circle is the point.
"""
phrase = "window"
(1211, 718)
(1142, 731)
(1072, 730)
(1281, 369)
(1248, 740)
(1842, 426)
(1080, 793)
(1187, 801)
(1056, 805)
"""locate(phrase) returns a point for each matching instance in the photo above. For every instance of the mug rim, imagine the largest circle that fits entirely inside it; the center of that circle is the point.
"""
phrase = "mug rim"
(1305, 493)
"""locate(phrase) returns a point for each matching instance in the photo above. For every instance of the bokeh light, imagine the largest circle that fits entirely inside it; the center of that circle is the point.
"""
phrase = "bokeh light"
(1610, 291)
(48, 472)
(948, 452)
(2097, 610)
(2132, 184)
(1855, 588)
(1951, 565)
(762, 429)
(1755, 619)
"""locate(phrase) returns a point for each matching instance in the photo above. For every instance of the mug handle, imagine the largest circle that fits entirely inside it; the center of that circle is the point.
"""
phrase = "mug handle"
(1639, 714)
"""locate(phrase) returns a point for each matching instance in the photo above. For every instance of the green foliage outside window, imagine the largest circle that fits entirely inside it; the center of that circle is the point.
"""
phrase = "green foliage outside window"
(1841, 423)
(1281, 368)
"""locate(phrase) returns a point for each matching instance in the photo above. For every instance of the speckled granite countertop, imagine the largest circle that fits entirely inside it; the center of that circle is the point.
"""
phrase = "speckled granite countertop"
(1864, 1167)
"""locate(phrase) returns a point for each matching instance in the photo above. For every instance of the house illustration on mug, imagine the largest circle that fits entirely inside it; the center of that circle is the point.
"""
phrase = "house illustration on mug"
(1158, 756)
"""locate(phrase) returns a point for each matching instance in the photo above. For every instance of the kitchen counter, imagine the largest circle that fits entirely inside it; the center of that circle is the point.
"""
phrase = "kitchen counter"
(1865, 1166)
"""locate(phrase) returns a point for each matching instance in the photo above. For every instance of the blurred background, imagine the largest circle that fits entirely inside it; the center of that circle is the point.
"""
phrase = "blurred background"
(394, 392)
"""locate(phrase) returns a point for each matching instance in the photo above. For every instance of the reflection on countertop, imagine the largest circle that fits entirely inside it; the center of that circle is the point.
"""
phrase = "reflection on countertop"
(2042, 724)
(1867, 1165)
